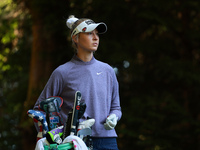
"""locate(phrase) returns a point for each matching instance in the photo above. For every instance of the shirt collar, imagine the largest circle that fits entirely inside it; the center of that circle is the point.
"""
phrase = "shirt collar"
(78, 61)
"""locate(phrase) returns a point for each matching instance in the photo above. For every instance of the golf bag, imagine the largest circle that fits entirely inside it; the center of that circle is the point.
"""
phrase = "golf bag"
(57, 133)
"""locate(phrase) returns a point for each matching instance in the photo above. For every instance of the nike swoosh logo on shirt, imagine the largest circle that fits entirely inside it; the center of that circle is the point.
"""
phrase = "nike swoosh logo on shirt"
(98, 73)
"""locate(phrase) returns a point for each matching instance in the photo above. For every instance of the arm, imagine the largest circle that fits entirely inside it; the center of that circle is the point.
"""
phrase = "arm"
(115, 103)
(115, 110)
(53, 87)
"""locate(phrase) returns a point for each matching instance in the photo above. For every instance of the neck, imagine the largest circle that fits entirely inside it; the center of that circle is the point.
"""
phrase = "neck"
(86, 57)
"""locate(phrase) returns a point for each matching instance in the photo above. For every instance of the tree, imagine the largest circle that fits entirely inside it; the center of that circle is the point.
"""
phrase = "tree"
(48, 25)
(13, 71)
(153, 47)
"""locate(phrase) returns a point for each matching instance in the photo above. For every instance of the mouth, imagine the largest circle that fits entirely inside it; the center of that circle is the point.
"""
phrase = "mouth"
(95, 44)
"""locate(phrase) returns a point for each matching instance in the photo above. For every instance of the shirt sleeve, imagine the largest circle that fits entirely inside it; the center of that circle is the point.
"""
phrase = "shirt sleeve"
(53, 87)
(115, 103)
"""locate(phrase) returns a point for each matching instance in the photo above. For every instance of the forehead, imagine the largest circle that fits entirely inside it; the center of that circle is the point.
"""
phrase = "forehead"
(87, 35)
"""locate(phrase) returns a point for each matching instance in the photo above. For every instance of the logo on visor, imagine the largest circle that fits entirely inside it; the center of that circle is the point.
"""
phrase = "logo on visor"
(84, 29)
(88, 22)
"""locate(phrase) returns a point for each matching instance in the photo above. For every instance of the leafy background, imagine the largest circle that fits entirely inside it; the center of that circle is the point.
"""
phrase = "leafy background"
(152, 45)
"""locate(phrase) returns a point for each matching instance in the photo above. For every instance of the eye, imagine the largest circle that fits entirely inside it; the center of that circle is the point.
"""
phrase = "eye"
(89, 33)
(93, 33)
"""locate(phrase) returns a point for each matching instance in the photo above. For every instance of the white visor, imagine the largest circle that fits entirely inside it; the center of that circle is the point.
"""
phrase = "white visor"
(88, 26)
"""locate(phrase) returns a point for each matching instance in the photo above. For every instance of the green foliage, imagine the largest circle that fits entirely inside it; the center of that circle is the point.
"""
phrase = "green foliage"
(14, 60)
(163, 83)
(153, 45)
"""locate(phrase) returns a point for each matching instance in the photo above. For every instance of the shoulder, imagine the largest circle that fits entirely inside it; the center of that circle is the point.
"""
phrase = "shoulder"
(64, 68)
(105, 66)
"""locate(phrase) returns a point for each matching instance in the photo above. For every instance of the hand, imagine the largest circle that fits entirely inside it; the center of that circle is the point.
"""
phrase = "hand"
(86, 124)
(111, 122)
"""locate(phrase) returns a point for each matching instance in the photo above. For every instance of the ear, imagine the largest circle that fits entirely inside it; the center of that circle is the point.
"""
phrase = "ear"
(75, 38)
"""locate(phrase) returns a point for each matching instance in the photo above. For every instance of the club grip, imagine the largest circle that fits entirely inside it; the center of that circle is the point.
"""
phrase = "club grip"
(75, 112)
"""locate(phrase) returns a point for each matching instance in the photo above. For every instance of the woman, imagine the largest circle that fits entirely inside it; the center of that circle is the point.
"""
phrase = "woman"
(94, 79)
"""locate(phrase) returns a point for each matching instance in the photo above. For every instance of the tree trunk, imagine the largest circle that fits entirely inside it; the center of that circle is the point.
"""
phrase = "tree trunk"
(44, 48)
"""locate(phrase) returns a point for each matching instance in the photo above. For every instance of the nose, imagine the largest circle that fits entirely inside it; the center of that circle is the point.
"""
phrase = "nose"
(95, 36)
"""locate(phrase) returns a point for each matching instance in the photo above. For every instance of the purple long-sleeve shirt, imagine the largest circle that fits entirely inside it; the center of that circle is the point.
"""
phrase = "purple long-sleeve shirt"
(98, 85)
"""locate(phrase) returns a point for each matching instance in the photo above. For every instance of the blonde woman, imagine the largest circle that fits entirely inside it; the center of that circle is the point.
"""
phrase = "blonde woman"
(95, 80)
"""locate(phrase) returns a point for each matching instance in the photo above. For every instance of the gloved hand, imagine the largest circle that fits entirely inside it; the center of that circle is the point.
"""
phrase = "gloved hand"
(111, 122)
(86, 124)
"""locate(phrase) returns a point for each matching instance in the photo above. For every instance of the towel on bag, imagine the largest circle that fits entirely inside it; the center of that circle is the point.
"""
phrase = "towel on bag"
(40, 144)
(78, 142)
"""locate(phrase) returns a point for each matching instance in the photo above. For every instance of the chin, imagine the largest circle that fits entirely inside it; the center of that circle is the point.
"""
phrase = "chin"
(93, 50)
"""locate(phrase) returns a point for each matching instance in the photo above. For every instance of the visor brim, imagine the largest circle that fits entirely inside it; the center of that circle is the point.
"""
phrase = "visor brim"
(85, 27)
(101, 28)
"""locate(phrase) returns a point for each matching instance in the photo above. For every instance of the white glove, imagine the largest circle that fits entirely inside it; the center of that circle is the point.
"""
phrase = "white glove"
(86, 124)
(111, 122)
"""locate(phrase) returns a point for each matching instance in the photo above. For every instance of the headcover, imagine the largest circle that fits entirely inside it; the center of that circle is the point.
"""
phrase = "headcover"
(52, 107)
(51, 104)
(54, 136)
(88, 26)
(40, 119)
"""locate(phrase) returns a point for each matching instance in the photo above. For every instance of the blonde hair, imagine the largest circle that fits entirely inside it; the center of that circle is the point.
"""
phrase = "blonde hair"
(72, 23)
